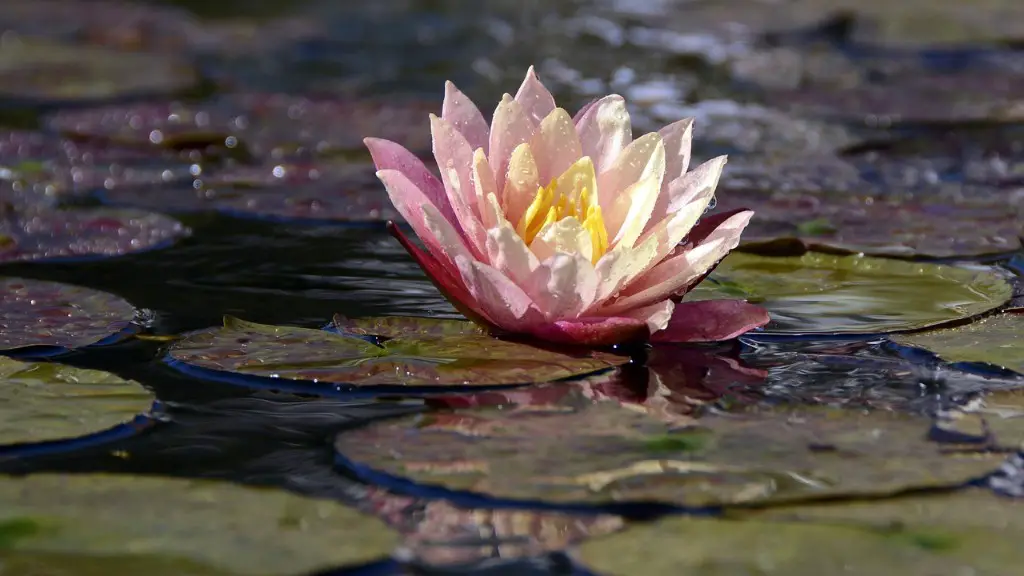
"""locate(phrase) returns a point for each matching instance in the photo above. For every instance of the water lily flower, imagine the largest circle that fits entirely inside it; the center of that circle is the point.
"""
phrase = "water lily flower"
(565, 229)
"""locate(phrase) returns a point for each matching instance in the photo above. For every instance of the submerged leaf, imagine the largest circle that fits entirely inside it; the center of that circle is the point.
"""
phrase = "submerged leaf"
(132, 524)
(603, 453)
(41, 313)
(42, 401)
(828, 294)
(436, 353)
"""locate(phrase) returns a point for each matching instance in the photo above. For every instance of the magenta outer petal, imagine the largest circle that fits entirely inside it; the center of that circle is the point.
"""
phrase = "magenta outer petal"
(593, 331)
(711, 321)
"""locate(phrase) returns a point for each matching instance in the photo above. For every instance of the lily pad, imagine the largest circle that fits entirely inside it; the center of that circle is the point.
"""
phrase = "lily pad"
(38, 70)
(34, 234)
(829, 207)
(829, 294)
(429, 356)
(604, 454)
(338, 193)
(917, 535)
(36, 313)
(44, 401)
(180, 526)
(997, 340)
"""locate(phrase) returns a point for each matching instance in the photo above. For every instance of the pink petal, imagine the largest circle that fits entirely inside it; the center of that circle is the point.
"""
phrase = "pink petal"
(563, 285)
(555, 145)
(605, 130)
(579, 113)
(449, 285)
(463, 114)
(678, 138)
(696, 185)
(656, 316)
(678, 273)
(605, 331)
(455, 161)
(510, 127)
(711, 321)
(498, 296)
(388, 155)
(642, 158)
(537, 102)
(410, 201)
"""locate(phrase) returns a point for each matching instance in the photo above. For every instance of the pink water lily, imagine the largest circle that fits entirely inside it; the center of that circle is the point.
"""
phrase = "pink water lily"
(564, 228)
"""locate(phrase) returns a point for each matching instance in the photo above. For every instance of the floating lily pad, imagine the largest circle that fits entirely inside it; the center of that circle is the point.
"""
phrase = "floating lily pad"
(429, 356)
(827, 206)
(44, 401)
(824, 293)
(39, 313)
(34, 234)
(274, 127)
(603, 454)
(997, 340)
(177, 526)
(341, 193)
(39, 70)
(945, 535)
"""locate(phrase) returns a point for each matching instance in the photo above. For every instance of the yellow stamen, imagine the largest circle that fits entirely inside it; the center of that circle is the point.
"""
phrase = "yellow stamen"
(572, 195)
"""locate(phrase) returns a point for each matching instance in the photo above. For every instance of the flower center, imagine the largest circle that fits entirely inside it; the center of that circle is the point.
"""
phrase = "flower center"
(560, 200)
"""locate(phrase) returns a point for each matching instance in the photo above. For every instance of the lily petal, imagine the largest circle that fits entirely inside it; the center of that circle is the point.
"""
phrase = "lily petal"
(605, 331)
(564, 285)
(555, 145)
(566, 235)
(656, 316)
(463, 114)
(506, 249)
(388, 155)
(510, 127)
(498, 296)
(411, 202)
(536, 100)
(455, 160)
(484, 186)
(678, 139)
(522, 183)
(641, 159)
(605, 130)
(579, 113)
(711, 321)
(695, 185)
(452, 287)
(632, 209)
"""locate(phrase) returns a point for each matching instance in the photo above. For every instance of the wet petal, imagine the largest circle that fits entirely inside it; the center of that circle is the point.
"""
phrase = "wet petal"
(605, 130)
(632, 210)
(459, 111)
(455, 161)
(563, 286)
(605, 331)
(510, 127)
(388, 155)
(411, 203)
(656, 316)
(678, 138)
(711, 321)
(537, 102)
(484, 186)
(694, 186)
(643, 158)
(555, 145)
(566, 235)
(499, 297)
(506, 249)
(522, 183)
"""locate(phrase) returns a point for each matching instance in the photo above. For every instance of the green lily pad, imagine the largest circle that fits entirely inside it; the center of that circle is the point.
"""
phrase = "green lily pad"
(830, 208)
(830, 294)
(437, 353)
(41, 313)
(997, 340)
(43, 401)
(179, 526)
(935, 535)
(582, 452)
(39, 70)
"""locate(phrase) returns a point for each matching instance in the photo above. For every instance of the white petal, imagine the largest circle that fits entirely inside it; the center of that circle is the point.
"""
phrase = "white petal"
(483, 184)
(565, 285)
(605, 130)
(566, 235)
(506, 249)
(627, 213)
(644, 157)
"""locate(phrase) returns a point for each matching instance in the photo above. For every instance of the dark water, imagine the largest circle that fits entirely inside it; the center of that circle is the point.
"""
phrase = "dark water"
(278, 273)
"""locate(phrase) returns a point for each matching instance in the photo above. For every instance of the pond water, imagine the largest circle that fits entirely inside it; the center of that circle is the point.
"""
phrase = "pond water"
(189, 165)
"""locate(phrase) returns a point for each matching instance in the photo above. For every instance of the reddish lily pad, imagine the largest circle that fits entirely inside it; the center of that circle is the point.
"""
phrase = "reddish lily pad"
(431, 356)
(829, 294)
(831, 209)
(996, 340)
(269, 126)
(45, 401)
(39, 313)
(337, 193)
(39, 70)
(34, 234)
(585, 453)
